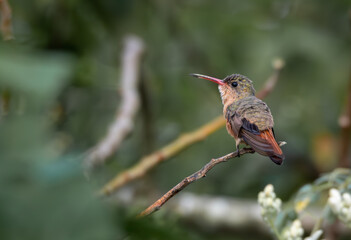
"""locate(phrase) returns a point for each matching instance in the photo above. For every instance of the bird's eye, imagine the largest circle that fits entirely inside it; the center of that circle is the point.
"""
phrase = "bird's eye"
(234, 84)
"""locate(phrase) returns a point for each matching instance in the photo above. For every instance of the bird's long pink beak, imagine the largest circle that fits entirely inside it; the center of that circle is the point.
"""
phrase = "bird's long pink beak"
(216, 80)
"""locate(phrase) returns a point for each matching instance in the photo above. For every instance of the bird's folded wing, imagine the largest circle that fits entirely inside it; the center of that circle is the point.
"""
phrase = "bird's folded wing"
(262, 142)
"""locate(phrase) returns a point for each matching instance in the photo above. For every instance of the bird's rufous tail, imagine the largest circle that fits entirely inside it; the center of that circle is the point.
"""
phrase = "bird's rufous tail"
(265, 144)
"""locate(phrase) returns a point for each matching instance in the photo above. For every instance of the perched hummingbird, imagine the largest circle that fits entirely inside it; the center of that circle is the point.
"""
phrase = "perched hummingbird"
(248, 119)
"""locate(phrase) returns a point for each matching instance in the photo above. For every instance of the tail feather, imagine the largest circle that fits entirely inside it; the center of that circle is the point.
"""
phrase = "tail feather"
(265, 144)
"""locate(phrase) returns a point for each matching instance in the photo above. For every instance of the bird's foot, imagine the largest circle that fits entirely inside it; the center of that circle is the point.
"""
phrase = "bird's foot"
(237, 152)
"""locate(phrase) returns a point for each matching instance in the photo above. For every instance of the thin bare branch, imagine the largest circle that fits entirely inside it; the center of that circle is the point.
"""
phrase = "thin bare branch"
(184, 141)
(123, 124)
(190, 179)
(6, 20)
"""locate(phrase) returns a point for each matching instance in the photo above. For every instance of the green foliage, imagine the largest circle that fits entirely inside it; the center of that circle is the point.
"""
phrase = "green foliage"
(44, 195)
(59, 85)
(284, 222)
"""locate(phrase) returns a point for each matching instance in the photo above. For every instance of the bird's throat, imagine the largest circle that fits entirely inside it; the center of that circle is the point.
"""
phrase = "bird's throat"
(228, 97)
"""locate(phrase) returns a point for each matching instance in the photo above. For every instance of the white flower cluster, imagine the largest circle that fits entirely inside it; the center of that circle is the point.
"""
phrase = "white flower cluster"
(270, 204)
(341, 205)
(294, 232)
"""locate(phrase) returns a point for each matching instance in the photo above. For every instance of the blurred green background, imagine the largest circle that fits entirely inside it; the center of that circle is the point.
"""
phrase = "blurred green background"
(60, 80)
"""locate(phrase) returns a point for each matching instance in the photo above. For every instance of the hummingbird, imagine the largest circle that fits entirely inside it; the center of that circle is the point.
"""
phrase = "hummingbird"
(248, 118)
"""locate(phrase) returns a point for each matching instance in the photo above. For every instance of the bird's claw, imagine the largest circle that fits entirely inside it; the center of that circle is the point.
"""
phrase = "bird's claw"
(237, 152)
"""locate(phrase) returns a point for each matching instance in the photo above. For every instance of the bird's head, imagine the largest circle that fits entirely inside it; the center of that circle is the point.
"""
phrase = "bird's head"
(232, 87)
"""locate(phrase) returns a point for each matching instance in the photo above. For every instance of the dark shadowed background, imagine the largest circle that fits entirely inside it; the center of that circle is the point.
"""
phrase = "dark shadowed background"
(60, 88)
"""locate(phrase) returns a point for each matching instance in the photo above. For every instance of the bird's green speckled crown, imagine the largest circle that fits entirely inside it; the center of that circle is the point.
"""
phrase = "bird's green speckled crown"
(236, 77)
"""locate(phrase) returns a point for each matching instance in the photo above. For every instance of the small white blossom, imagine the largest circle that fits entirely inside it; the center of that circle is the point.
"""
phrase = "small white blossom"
(340, 205)
(347, 198)
(294, 232)
(270, 207)
(270, 204)
(269, 190)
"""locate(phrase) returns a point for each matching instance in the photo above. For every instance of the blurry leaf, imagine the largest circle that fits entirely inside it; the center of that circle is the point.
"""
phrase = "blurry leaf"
(304, 197)
(337, 176)
(36, 74)
(304, 192)
(305, 189)
(323, 179)
(280, 220)
(329, 215)
(302, 204)
(284, 218)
